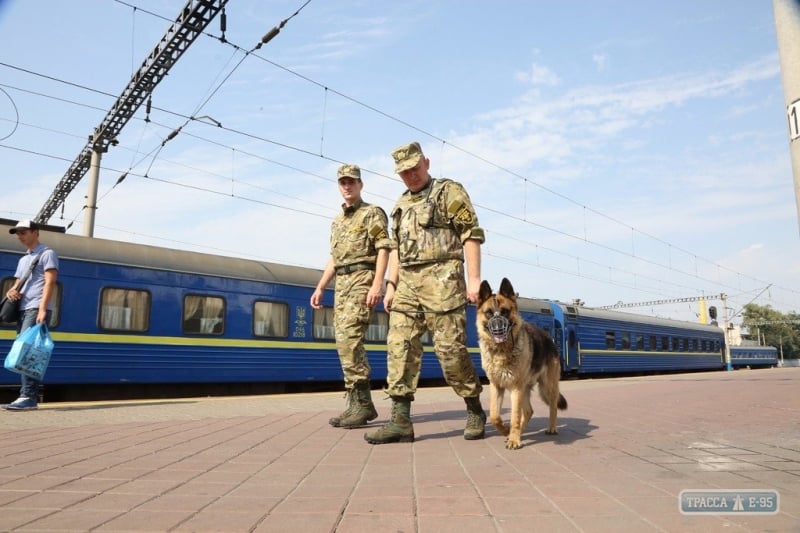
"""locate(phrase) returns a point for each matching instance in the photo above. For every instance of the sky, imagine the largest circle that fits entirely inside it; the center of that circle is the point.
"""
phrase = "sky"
(615, 151)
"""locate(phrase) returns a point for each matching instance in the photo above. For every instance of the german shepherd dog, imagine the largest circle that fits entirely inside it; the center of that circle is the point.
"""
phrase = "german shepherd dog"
(516, 356)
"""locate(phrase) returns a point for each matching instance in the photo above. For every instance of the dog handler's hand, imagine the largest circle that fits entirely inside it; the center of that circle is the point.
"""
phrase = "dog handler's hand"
(473, 287)
(388, 297)
(373, 296)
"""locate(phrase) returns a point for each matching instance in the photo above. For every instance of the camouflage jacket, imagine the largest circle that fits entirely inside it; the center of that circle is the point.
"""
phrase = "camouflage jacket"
(357, 233)
(431, 225)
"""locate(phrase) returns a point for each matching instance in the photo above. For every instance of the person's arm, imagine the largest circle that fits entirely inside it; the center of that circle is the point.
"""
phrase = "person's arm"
(327, 276)
(50, 277)
(13, 293)
(376, 290)
(472, 255)
(392, 279)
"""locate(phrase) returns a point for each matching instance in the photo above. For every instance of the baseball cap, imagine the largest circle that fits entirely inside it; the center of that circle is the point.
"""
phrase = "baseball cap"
(23, 224)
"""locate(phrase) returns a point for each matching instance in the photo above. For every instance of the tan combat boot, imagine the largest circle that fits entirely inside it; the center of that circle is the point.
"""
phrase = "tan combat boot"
(476, 419)
(399, 428)
(363, 409)
(350, 399)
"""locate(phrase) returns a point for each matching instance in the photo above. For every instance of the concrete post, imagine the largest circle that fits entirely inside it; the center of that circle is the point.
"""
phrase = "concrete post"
(787, 29)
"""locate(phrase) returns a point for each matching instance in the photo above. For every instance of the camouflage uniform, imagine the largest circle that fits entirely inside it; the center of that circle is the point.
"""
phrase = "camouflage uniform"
(430, 227)
(356, 236)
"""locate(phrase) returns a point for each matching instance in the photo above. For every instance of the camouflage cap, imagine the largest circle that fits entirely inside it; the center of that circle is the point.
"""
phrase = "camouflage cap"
(407, 156)
(349, 171)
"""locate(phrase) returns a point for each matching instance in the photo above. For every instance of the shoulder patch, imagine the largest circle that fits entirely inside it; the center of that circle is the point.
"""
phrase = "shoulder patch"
(378, 232)
(459, 211)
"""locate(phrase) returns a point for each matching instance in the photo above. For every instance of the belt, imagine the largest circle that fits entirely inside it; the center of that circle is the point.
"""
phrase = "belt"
(346, 269)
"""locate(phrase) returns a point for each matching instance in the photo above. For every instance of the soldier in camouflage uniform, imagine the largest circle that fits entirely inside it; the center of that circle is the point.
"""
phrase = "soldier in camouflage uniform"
(360, 247)
(435, 229)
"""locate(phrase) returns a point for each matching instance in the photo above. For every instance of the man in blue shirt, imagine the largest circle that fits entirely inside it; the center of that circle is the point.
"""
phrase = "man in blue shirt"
(36, 298)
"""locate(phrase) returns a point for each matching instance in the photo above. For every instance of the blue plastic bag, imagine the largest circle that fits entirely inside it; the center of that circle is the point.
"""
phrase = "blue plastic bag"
(31, 351)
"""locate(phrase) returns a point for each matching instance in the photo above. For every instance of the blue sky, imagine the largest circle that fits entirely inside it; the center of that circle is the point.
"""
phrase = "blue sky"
(615, 151)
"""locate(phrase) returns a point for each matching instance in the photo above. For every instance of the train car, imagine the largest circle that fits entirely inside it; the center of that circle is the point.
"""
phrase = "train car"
(598, 341)
(137, 314)
(129, 313)
(754, 356)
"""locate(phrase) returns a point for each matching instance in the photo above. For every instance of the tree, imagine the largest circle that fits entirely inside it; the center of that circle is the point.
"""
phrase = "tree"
(775, 328)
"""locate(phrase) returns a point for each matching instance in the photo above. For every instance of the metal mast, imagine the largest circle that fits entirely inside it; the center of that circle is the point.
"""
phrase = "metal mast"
(190, 23)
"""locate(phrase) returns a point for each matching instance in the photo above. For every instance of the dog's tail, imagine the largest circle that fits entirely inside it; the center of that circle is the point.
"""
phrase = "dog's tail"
(549, 394)
(562, 402)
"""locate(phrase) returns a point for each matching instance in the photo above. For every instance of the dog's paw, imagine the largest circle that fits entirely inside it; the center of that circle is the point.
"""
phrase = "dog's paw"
(551, 432)
(501, 428)
(513, 444)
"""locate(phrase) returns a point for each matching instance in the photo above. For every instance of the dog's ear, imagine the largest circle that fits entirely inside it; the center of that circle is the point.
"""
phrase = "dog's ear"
(507, 290)
(484, 293)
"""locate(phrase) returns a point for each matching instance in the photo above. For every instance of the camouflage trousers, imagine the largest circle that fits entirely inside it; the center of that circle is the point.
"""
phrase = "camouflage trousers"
(351, 318)
(409, 320)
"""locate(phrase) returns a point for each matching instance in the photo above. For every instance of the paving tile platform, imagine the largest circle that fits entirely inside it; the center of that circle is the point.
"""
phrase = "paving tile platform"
(626, 449)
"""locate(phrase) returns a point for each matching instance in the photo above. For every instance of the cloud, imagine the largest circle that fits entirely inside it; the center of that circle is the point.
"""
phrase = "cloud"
(600, 61)
(538, 75)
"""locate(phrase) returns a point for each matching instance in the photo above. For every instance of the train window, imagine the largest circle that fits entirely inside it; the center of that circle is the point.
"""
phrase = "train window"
(695, 345)
(323, 324)
(378, 326)
(665, 343)
(572, 340)
(203, 314)
(611, 340)
(271, 319)
(639, 341)
(55, 316)
(124, 309)
(653, 343)
(626, 340)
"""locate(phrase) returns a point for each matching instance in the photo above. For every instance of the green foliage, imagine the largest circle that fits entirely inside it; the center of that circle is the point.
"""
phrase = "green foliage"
(775, 328)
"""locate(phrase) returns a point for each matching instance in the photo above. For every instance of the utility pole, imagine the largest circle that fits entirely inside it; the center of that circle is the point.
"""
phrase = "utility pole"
(787, 29)
(189, 24)
(726, 328)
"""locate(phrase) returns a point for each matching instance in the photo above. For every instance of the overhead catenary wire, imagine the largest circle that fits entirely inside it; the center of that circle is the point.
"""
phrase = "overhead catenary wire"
(526, 180)
(683, 288)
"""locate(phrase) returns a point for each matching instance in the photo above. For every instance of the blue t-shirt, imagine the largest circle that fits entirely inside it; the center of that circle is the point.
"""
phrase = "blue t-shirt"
(34, 287)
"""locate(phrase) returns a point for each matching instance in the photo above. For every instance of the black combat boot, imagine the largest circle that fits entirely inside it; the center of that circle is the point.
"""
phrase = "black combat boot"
(399, 428)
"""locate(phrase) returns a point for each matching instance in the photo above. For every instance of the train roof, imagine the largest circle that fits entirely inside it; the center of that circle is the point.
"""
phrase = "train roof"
(83, 248)
(621, 316)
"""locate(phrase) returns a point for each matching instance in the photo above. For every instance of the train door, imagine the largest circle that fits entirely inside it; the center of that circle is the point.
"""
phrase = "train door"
(558, 337)
(569, 317)
(573, 361)
(565, 338)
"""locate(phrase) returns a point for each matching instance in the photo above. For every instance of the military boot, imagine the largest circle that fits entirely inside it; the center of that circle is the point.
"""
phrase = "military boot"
(363, 409)
(476, 419)
(399, 428)
(350, 399)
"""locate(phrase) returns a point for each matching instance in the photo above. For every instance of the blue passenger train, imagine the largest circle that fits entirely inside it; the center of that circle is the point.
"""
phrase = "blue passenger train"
(753, 356)
(136, 314)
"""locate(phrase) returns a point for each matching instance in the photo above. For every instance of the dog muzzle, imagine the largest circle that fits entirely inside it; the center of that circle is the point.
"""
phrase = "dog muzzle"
(498, 327)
